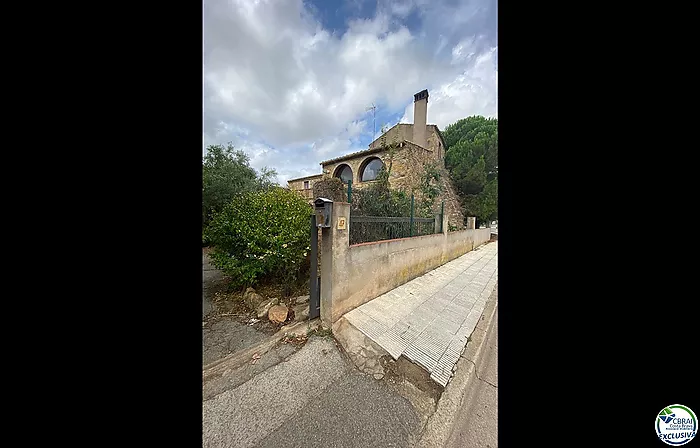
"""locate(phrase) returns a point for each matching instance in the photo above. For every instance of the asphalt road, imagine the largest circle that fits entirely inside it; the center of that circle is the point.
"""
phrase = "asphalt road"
(315, 398)
(477, 424)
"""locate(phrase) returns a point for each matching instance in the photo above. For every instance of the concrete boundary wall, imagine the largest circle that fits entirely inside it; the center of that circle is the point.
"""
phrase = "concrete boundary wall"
(354, 275)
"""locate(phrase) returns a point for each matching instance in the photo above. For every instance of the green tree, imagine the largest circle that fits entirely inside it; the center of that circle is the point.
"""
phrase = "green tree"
(266, 178)
(226, 172)
(472, 160)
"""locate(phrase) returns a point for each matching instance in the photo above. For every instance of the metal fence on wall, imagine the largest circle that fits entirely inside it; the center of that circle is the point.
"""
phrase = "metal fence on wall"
(364, 229)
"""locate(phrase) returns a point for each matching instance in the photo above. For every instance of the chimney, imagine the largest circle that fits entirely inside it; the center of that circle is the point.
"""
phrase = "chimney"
(420, 116)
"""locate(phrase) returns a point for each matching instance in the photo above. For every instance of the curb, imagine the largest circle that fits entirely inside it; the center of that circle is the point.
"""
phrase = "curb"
(241, 357)
(439, 425)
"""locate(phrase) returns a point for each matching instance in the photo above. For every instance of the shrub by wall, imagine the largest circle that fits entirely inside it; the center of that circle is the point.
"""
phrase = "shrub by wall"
(259, 235)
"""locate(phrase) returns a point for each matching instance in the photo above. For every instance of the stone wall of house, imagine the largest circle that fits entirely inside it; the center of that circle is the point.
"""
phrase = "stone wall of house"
(407, 170)
(453, 207)
(435, 145)
(355, 164)
(332, 189)
(398, 133)
(408, 166)
(298, 186)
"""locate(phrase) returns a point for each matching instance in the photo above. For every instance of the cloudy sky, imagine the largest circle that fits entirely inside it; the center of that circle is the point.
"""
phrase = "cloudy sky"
(289, 81)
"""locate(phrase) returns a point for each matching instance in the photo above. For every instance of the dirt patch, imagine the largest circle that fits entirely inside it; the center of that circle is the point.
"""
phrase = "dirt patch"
(404, 370)
(414, 384)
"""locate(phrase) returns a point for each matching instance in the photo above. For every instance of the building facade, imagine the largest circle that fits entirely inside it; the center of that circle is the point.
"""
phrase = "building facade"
(305, 186)
(407, 148)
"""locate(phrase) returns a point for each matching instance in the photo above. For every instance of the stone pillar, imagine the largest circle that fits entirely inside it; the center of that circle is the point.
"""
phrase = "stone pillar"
(471, 222)
(336, 242)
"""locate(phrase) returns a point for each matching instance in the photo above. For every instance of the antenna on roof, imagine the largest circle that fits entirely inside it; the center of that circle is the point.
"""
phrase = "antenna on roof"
(374, 119)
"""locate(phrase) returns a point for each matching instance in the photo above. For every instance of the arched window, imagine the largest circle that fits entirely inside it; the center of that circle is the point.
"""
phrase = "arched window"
(344, 173)
(371, 169)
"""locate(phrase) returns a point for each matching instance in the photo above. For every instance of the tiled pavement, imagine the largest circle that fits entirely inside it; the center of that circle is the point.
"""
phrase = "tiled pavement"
(429, 319)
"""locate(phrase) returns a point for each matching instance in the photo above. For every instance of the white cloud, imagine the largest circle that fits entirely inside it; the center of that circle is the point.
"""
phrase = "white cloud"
(291, 93)
(402, 8)
(463, 51)
(473, 92)
(355, 128)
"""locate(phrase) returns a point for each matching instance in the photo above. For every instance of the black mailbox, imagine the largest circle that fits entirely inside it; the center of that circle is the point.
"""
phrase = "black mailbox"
(324, 209)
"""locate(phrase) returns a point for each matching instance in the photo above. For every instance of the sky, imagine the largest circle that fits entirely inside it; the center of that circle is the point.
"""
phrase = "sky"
(290, 82)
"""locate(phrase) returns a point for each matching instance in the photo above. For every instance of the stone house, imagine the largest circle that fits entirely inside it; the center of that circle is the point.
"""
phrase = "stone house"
(416, 146)
(305, 186)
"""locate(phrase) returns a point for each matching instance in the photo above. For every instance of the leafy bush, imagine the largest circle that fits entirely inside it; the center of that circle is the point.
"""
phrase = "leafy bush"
(331, 188)
(261, 234)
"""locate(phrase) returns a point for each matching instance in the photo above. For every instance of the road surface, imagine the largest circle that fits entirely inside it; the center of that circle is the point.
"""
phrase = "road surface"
(477, 424)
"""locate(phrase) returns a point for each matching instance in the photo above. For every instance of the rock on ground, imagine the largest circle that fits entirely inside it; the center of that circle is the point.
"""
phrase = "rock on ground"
(277, 313)
(301, 312)
(301, 299)
(264, 307)
(252, 299)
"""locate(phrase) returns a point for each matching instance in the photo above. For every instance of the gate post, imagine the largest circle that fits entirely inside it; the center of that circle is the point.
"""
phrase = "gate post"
(314, 299)
(440, 221)
(442, 217)
(471, 222)
(410, 227)
(336, 241)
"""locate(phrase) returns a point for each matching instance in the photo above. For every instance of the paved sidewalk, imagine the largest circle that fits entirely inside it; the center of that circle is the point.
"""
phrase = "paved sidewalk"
(429, 319)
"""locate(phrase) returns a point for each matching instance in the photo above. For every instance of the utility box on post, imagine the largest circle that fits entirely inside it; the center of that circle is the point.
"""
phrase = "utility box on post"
(324, 209)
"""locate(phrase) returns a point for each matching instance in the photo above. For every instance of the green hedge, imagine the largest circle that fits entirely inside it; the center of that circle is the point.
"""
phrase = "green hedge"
(262, 234)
